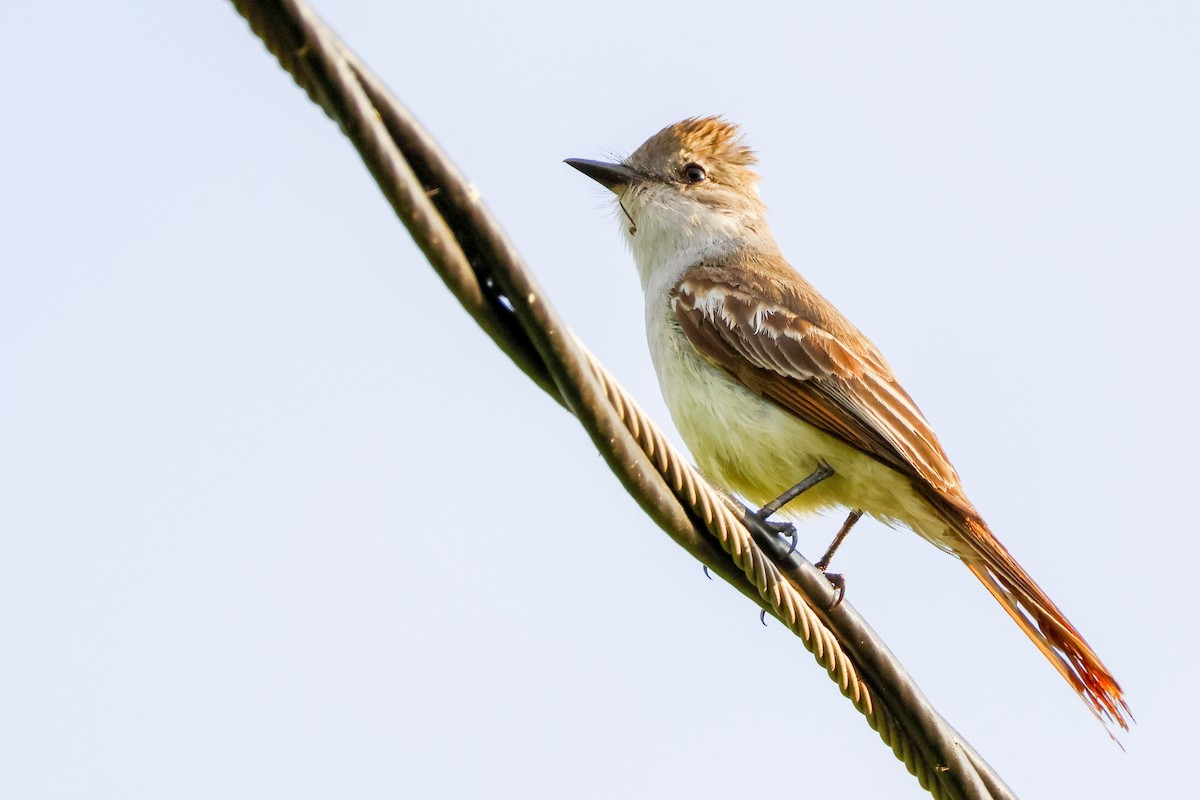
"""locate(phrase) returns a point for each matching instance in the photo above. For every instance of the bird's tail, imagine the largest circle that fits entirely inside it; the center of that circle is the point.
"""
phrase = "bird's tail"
(1042, 622)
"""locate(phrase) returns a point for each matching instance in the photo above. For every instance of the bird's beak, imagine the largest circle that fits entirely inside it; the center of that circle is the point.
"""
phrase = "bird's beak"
(611, 176)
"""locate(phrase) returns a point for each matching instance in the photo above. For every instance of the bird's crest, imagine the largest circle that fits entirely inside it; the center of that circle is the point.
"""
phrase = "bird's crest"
(710, 139)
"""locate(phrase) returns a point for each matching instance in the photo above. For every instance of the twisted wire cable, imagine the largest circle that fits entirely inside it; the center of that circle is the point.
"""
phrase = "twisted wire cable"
(479, 265)
(787, 602)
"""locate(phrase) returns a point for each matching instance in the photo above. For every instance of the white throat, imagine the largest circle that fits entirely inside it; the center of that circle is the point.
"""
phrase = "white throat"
(675, 233)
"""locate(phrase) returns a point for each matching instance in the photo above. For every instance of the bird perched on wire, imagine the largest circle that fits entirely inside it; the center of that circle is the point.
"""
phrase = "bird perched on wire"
(769, 384)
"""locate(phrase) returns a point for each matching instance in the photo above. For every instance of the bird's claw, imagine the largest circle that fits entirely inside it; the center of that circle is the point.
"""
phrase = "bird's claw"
(785, 529)
(839, 588)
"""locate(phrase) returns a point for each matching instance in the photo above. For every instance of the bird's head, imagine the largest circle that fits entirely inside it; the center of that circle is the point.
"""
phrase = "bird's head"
(688, 192)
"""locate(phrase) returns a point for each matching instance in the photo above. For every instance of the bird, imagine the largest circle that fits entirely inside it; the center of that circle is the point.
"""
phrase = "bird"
(768, 383)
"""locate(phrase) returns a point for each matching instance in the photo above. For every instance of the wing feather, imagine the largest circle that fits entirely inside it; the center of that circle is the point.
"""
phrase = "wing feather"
(836, 383)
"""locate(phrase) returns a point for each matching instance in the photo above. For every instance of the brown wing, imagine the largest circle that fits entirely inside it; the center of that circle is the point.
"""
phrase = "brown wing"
(767, 339)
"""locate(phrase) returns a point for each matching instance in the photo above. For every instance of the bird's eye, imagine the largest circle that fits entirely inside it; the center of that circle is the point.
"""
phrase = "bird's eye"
(694, 173)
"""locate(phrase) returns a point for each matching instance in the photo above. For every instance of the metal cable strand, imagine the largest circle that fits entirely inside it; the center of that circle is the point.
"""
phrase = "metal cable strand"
(391, 172)
(411, 200)
(726, 519)
(389, 168)
(787, 604)
(479, 265)
(278, 23)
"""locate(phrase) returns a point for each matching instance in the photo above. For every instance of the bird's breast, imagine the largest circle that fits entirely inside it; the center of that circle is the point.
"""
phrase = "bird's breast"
(739, 439)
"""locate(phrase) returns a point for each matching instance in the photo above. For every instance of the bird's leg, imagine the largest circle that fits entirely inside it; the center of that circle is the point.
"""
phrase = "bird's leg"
(854, 517)
(839, 583)
(819, 474)
(822, 472)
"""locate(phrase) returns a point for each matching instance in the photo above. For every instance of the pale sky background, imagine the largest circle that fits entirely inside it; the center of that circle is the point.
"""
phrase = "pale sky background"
(276, 520)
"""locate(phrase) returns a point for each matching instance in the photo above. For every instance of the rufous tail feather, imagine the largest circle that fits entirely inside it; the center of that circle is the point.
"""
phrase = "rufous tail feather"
(1042, 622)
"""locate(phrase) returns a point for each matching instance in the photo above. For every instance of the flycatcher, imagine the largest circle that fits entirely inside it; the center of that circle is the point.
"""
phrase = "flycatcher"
(768, 383)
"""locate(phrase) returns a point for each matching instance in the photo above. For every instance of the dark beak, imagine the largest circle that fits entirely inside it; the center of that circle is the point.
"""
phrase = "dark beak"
(611, 176)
